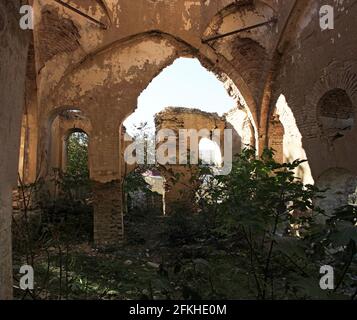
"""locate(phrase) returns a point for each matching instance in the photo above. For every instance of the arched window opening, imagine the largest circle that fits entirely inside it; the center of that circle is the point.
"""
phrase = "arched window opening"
(68, 178)
(209, 153)
(64, 124)
(336, 113)
(77, 155)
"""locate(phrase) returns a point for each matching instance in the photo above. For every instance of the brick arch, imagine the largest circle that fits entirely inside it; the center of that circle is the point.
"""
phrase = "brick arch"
(290, 27)
(336, 113)
(337, 76)
(180, 178)
(249, 13)
(248, 51)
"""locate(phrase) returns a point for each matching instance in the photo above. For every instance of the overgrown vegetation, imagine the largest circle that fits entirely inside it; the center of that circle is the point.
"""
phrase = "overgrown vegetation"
(267, 216)
(255, 237)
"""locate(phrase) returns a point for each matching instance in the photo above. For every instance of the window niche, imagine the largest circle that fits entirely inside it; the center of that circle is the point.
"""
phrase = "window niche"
(336, 113)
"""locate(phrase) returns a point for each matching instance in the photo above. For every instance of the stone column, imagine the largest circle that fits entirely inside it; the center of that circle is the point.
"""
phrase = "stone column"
(13, 57)
(104, 163)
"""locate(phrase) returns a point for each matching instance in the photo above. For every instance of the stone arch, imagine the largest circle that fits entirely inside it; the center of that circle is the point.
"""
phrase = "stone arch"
(70, 131)
(244, 132)
(177, 118)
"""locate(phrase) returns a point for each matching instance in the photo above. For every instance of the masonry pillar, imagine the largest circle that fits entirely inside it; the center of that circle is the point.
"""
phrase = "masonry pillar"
(30, 163)
(13, 56)
(104, 163)
(57, 146)
(276, 138)
(180, 188)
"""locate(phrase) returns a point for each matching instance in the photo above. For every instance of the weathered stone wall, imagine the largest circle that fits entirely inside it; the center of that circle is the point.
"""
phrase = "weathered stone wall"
(13, 55)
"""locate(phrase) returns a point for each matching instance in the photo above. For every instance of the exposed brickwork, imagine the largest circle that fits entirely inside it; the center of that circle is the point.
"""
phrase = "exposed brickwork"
(276, 136)
(108, 220)
(336, 113)
(58, 35)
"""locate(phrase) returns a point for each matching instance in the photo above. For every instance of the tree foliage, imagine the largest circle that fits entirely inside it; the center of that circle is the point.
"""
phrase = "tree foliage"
(77, 155)
(273, 214)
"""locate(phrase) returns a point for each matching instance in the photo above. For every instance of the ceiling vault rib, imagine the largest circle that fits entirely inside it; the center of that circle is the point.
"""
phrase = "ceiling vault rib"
(68, 6)
(219, 36)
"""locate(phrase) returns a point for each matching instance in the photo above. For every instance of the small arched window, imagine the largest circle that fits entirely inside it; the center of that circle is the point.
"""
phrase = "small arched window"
(336, 113)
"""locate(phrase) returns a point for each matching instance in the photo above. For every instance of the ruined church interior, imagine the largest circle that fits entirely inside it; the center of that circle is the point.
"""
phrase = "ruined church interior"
(263, 207)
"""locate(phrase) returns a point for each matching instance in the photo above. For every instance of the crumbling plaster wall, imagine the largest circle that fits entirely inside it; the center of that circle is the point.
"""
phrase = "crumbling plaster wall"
(103, 71)
(186, 21)
(13, 55)
(92, 68)
(106, 88)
